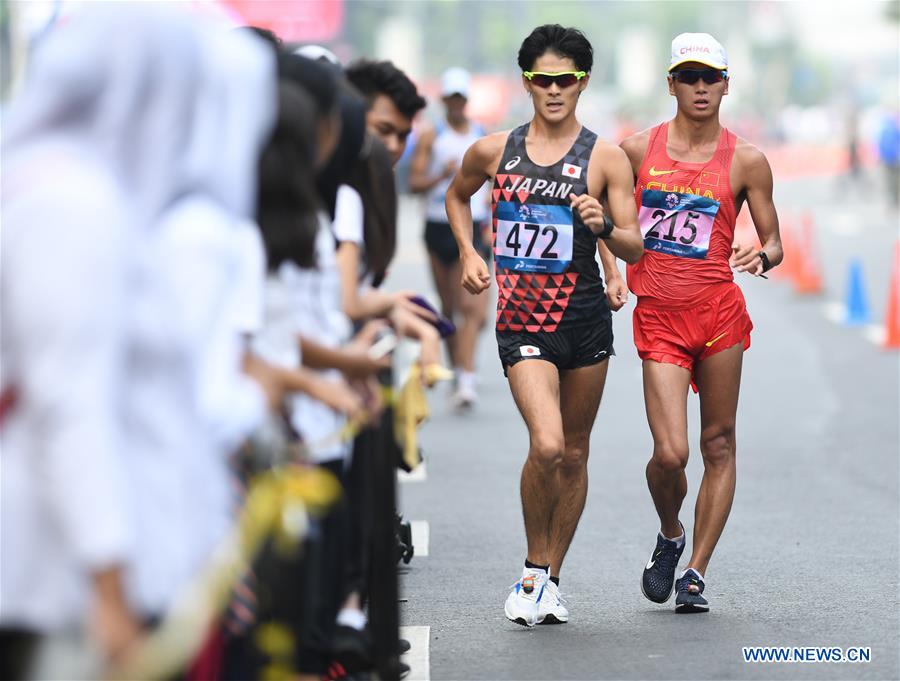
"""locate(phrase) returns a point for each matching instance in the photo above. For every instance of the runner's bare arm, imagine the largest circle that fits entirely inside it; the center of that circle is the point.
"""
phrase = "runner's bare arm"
(479, 164)
(757, 185)
(419, 179)
(616, 288)
(609, 174)
(634, 147)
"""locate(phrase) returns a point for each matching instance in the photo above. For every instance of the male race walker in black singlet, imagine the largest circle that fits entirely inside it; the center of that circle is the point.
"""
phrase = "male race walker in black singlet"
(554, 326)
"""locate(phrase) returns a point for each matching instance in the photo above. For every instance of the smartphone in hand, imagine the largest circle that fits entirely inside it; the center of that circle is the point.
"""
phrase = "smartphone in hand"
(384, 345)
(444, 326)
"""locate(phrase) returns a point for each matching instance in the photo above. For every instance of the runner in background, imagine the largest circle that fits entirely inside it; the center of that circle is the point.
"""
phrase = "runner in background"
(436, 158)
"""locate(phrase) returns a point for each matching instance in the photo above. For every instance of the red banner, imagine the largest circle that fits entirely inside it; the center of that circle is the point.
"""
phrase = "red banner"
(308, 21)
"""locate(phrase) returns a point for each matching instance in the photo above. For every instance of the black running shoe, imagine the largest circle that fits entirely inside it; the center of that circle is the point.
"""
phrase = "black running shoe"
(690, 593)
(658, 580)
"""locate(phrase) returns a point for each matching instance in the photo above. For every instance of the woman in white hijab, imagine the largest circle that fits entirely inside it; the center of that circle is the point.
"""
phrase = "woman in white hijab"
(101, 154)
(198, 260)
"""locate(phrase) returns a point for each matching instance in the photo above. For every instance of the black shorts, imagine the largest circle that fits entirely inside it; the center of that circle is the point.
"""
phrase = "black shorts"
(440, 241)
(571, 348)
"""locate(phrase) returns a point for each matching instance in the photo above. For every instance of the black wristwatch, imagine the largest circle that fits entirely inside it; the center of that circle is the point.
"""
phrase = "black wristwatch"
(765, 261)
(607, 228)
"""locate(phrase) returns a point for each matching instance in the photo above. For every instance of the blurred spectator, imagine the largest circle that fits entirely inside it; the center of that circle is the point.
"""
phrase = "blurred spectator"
(852, 136)
(150, 327)
(889, 155)
(109, 439)
(318, 53)
(393, 102)
(190, 404)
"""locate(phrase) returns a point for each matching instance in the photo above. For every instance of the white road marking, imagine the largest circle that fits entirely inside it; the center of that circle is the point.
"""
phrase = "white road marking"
(845, 223)
(418, 657)
(876, 333)
(420, 533)
(835, 312)
(418, 475)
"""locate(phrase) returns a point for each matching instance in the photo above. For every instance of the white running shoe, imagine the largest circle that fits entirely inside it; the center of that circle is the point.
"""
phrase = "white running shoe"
(465, 395)
(464, 399)
(551, 607)
(522, 604)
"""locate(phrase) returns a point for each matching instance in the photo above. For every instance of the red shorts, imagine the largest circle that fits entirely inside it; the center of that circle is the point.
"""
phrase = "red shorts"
(687, 336)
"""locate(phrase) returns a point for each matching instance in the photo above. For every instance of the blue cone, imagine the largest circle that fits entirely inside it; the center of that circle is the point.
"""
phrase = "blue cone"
(858, 313)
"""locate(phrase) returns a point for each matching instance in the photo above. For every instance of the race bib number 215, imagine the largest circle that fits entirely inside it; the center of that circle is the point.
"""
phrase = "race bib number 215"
(677, 224)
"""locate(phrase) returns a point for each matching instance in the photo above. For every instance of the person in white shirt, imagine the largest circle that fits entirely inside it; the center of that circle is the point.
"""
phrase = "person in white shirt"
(97, 151)
(289, 163)
(359, 193)
(302, 311)
(189, 404)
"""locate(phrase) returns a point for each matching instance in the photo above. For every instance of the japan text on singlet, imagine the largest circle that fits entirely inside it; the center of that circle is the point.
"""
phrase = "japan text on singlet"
(544, 255)
(687, 213)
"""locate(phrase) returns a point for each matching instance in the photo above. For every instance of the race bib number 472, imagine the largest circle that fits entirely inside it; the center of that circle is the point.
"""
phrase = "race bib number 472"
(533, 238)
(677, 224)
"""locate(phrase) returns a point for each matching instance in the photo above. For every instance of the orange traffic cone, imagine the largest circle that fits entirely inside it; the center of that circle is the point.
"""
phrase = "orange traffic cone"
(892, 318)
(808, 280)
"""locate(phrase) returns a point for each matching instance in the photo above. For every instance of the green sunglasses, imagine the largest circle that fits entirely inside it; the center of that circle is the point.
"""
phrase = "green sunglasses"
(563, 79)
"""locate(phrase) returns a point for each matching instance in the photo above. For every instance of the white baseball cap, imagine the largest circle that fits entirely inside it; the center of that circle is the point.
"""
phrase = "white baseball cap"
(698, 47)
(317, 53)
(455, 81)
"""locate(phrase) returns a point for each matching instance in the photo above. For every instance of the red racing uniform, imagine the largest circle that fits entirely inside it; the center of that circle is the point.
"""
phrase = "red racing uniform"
(688, 306)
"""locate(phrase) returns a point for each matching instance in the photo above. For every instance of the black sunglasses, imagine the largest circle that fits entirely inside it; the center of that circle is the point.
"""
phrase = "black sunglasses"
(691, 76)
(563, 79)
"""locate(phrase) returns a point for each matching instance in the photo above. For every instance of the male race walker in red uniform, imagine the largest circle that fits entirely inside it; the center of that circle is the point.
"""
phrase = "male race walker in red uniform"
(691, 323)
(554, 325)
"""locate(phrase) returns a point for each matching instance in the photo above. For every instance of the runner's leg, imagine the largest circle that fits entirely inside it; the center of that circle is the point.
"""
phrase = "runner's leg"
(718, 379)
(446, 281)
(474, 311)
(580, 393)
(535, 387)
(665, 395)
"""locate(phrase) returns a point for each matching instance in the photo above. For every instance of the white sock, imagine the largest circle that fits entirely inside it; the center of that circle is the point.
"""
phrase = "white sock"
(466, 379)
(679, 540)
(684, 572)
(351, 617)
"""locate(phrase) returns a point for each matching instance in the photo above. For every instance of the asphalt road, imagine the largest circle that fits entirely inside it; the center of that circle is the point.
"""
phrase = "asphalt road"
(809, 556)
